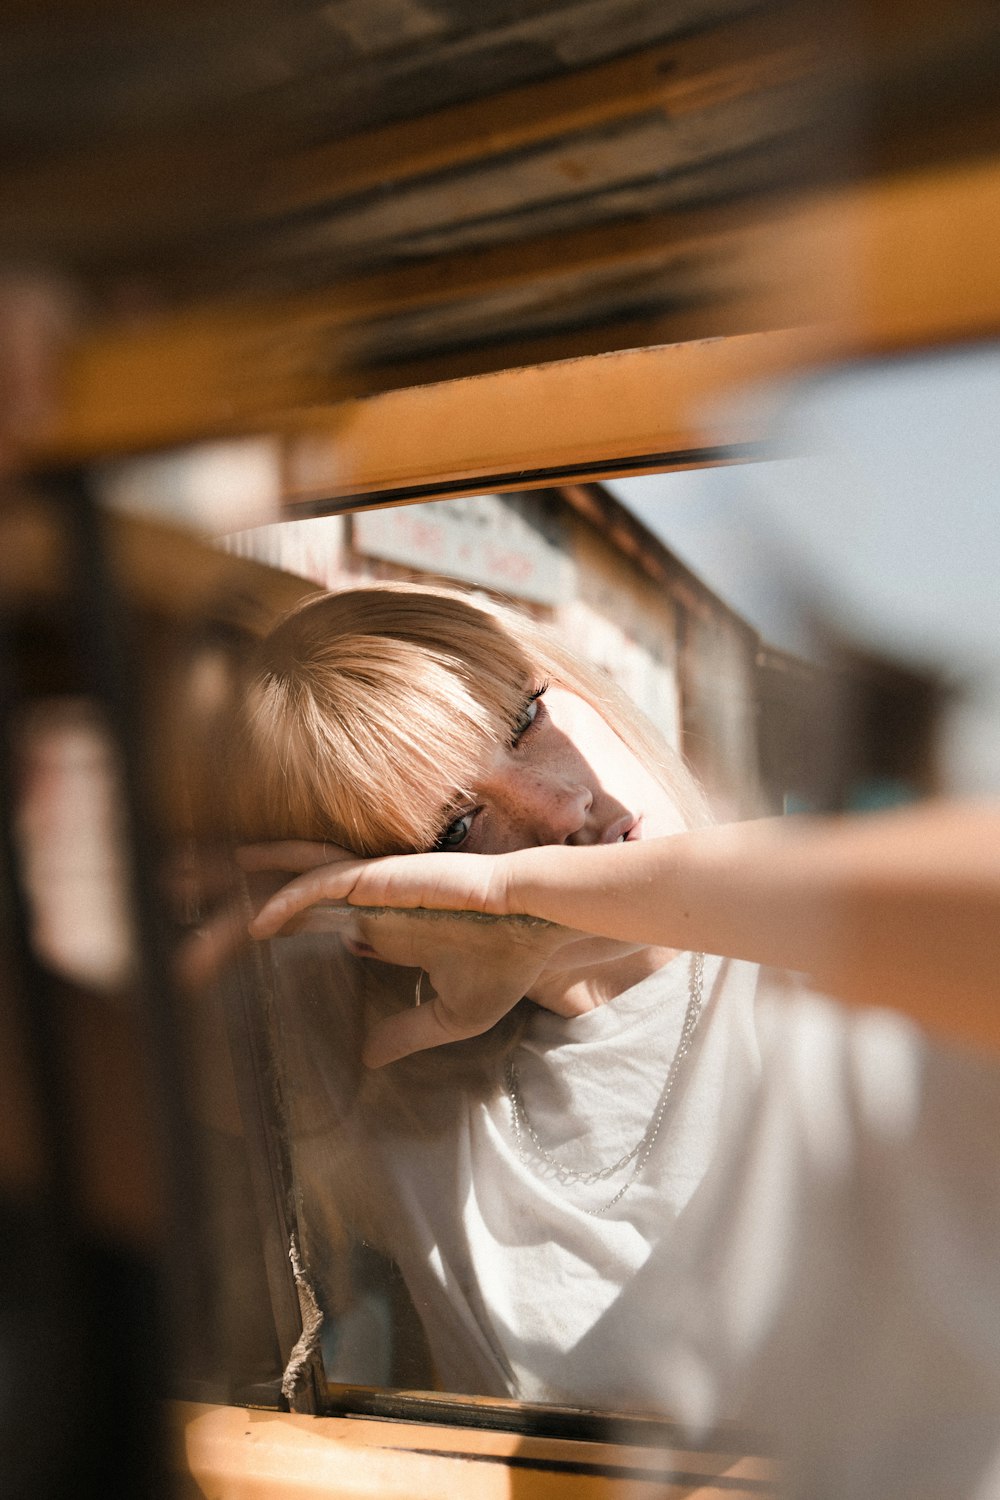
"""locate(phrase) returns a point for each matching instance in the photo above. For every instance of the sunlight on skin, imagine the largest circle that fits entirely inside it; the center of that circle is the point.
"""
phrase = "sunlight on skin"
(900, 909)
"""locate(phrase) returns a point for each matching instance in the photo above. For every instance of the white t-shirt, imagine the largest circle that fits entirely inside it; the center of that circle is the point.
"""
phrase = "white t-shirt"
(813, 1244)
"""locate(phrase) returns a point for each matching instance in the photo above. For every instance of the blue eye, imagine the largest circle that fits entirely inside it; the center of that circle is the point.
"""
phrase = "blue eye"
(456, 833)
(528, 715)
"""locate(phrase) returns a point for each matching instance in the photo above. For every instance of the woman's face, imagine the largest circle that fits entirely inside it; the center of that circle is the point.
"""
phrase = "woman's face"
(565, 778)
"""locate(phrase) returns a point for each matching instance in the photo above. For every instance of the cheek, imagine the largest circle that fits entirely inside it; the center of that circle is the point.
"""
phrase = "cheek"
(515, 804)
(500, 833)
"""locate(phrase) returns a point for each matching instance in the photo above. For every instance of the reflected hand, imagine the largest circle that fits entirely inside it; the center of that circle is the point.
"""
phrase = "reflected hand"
(209, 902)
(479, 963)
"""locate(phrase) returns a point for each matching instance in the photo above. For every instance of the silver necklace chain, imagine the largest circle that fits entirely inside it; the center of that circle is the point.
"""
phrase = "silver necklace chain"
(640, 1152)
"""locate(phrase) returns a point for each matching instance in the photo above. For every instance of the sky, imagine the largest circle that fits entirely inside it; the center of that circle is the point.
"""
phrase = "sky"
(883, 515)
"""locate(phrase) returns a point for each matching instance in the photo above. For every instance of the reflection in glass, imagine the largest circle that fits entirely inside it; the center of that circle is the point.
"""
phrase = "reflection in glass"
(661, 1181)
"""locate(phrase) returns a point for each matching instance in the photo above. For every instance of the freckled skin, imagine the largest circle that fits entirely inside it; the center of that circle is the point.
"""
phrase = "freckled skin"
(568, 779)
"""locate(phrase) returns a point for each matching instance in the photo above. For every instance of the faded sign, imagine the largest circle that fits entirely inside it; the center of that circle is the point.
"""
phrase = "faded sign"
(512, 544)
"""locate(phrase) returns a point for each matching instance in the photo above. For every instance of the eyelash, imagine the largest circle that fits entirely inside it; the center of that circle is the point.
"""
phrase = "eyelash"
(526, 722)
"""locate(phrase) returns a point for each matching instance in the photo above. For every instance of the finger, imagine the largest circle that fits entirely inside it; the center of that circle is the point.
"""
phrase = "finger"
(197, 873)
(414, 1030)
(391, 937)
(290, 854)
(439, 881)
(325, 883)
(204, 952)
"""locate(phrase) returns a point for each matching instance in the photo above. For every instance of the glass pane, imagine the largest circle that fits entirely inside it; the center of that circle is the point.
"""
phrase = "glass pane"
(662, 1181)
(420, 1188)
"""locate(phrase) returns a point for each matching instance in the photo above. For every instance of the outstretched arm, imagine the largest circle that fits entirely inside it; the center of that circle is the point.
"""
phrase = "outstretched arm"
(902, 909)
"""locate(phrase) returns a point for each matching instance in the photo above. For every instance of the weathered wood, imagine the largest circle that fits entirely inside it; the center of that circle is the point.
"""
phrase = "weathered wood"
(718, 182)
(673, 79)
(646, 150)
(257, 367)
(619, 247)
(125, 130)
(681, 326)
(231, 1452)
(162, 570)
(509, 46)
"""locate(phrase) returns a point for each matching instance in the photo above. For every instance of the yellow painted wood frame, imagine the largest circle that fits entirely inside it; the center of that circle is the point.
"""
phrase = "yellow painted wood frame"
(233, 1454)
(874, 268)
(639, 410)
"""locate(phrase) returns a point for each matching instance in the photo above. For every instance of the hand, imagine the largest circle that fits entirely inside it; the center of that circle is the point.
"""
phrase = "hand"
(208, 898)
(479, 963)
(439, 881)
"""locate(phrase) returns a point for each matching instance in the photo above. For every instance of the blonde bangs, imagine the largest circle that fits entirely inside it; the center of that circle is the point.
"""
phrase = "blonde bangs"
(367, 725)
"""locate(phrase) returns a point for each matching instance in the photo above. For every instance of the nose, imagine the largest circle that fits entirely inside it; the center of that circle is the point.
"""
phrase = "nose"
(546, 808)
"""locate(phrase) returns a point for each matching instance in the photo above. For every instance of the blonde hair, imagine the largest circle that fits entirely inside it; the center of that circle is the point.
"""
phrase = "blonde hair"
(371, 712)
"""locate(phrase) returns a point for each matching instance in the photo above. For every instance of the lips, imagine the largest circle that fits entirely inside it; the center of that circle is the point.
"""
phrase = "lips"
(622, 831)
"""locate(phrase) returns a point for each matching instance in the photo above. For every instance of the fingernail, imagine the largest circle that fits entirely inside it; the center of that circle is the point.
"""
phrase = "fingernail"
(357, 948)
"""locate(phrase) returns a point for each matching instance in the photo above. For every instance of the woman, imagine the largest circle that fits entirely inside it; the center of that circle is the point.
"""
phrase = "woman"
(634, 1201)
(400, 718)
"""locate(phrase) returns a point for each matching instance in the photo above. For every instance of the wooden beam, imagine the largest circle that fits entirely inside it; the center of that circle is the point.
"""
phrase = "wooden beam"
(869, 269)
(900, 263)
(643, 408)
(917, 254)
(619, 246)
(674, 79)
(249, 365)
(212, 371)
(700, 322)
(229, 1452)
